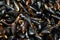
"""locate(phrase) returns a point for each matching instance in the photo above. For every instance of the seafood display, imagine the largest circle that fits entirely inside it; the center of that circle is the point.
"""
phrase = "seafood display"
(29, 19)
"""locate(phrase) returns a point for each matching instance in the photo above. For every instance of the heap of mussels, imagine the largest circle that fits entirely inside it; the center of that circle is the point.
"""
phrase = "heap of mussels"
(29, 19)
